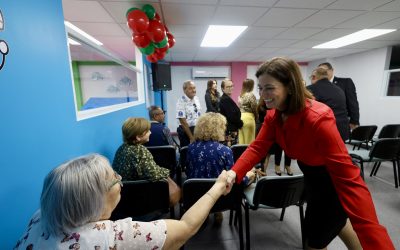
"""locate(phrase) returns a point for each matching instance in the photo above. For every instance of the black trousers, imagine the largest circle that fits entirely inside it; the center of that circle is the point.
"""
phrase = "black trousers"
(183, 138)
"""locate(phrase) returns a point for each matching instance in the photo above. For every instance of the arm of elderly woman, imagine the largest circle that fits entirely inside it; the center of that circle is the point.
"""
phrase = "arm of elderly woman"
(178, 232)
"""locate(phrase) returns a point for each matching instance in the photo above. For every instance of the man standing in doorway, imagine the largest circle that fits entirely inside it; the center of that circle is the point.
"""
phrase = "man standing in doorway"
(347, 85)
(188, 110)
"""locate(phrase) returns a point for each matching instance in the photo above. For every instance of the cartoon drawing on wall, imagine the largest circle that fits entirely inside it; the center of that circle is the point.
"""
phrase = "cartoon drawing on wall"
(3, 45)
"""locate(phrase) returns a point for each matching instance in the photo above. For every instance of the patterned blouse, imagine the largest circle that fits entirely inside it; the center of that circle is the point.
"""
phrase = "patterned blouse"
(135, 162)
(207, 159)
(104, 235)
(248, 104)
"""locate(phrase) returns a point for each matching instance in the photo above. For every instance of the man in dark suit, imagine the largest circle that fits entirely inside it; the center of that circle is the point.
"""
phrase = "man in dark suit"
(347, 85)
(333, 96)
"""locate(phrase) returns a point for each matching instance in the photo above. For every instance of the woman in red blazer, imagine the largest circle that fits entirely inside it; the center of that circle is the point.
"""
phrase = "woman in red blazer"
(337, 198)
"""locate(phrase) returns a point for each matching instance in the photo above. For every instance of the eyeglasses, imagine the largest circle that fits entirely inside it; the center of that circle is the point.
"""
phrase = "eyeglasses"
(117, 179)
(229, 87)
(195, 107)
(161, 113)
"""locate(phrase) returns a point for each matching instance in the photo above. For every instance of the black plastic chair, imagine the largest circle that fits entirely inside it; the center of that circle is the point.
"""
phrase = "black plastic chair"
(386, 149)
(389, 131)
(362, 135)
(143, 200)
(165, 156)
(273, 192)
(183, 158)
(238, 150)
(193, 189)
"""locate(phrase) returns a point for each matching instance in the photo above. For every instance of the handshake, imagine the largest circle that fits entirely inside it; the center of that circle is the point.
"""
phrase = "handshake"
(225, 181)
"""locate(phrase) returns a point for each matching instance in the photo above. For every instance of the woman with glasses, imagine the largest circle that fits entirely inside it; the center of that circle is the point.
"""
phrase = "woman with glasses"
(231, 111)
(338, 199)
(135, 162)
(77, 200)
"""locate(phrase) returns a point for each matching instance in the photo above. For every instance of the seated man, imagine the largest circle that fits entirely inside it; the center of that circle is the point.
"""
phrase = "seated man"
(160, 134)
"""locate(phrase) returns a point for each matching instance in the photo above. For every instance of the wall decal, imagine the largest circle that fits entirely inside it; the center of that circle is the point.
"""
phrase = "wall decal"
(3, 45)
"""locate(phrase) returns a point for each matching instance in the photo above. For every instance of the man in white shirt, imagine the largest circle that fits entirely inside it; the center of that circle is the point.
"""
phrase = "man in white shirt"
(188, 110)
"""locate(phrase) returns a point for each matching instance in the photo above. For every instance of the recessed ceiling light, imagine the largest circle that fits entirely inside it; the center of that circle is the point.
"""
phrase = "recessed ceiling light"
(83, 33)
(221, 35)
(72, 41)
(356, 37)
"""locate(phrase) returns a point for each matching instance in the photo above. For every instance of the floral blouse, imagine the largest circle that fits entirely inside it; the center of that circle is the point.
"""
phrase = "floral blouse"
(248, 104)
(207, 159)
(135, 162)
(104, 235)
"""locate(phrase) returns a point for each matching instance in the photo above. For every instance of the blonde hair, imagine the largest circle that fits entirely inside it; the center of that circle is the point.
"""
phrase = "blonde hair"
(134, 127)
(210, 127)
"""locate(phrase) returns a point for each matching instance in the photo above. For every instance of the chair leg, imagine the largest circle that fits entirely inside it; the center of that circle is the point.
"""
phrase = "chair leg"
(373, 169)
(247, 226)
(230, 217)
(396, 183)
(377, 168)
(238, 215)
(303, 238)
(282, 213)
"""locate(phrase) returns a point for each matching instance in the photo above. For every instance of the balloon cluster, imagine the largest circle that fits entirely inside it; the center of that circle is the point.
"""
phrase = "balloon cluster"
(150, 35)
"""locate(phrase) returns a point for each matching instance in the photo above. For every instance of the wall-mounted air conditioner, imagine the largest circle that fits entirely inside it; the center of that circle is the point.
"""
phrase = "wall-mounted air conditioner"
(211, 72)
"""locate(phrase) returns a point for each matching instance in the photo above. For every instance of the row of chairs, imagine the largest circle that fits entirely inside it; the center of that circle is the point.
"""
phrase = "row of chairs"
(384, 147)
(146, 201)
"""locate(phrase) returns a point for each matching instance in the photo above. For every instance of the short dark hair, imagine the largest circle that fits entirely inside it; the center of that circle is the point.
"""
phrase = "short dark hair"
(328, 65)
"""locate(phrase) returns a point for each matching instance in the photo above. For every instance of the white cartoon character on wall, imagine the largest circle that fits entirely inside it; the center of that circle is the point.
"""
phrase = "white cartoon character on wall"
(3, 44)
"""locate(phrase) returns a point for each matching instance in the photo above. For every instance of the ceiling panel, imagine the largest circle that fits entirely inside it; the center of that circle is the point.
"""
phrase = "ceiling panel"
(369, 20)
(229, 15)
(309, 4)
(357, 4)
(328, 18)
(288, 27)
(185, 14)
(284, 17)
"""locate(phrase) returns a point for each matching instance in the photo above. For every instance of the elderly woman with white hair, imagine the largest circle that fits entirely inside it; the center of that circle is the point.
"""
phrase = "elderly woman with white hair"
(77, 200)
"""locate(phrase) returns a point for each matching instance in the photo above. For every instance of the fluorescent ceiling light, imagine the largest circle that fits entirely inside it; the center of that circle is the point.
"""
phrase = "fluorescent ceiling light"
(356, 37)
(83, 33)
(72, 41)
(221, 35)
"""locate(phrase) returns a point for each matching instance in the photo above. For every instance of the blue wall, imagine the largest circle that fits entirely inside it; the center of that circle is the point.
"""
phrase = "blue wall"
(38, 128)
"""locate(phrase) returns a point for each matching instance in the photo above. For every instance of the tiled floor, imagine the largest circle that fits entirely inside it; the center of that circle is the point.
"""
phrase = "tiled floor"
(267, 232)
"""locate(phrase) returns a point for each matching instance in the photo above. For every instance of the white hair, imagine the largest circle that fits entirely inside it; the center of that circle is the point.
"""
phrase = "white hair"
(73, 194)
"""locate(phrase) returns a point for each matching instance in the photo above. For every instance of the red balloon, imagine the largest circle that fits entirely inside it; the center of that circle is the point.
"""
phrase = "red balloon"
(171, 40)
(157, 17)
(166, 29)
(164, 49)
(141, 40)
(156, 31)
(159, 54)
(151, 58)
(138, 21)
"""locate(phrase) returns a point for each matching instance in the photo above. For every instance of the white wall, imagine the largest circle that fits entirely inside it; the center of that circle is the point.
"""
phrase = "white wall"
(367, 71)
(180, 74)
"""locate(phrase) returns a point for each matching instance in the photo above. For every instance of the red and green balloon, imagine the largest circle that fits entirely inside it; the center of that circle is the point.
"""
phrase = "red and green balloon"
(150, 35)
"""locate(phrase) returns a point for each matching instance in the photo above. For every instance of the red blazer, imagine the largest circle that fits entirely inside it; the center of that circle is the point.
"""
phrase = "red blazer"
(311, 136)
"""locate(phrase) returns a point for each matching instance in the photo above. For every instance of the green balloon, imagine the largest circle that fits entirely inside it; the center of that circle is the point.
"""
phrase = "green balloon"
(148, 50)
(161, 44)
(131, 9)
(149, 10)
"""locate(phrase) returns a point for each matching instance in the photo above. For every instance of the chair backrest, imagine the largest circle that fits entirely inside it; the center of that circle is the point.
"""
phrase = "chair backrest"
(183, 157)
(142, 197)
(194, 189)
(385, 148)
(390, 131)
(165, 156)
(238, 150)
(279, 191)
(363, 133)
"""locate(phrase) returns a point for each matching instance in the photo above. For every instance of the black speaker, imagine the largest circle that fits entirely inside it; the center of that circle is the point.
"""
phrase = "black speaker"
(161, 72)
